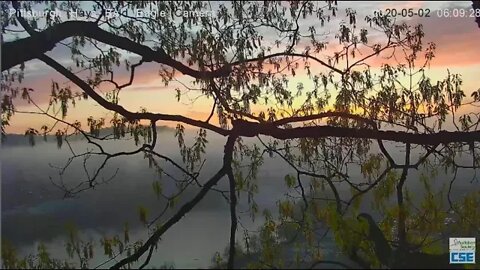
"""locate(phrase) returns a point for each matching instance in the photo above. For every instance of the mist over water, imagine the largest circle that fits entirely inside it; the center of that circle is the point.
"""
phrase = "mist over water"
(29, 197)
(34, 210)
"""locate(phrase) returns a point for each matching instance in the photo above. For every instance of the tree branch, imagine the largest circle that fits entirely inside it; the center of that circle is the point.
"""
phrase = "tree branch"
(187, 207)
(36, 45)
(233, 217)
(120, 109)
(251, 129)
(323, 115)
(402, 234)
(147, 261)
(42, 42)
(308, 56)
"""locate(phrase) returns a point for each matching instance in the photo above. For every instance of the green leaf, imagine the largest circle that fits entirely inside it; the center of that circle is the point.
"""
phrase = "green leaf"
(143, 212)
(157, 188)
(290, 180)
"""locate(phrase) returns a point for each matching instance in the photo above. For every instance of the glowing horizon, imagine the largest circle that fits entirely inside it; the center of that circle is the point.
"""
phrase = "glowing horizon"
(456, 52)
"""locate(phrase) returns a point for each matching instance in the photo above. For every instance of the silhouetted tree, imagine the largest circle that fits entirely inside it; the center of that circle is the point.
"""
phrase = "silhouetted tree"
(346, 112)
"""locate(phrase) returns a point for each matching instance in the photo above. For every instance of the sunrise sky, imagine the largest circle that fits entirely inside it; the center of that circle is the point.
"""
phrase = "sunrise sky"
(457, 42)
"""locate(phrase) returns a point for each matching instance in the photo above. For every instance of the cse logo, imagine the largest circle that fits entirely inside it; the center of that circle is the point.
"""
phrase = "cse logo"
(462, 257)
(462, 250)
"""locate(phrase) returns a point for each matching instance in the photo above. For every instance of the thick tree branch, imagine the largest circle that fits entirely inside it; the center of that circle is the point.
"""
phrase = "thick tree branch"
(250, 129)
(233, 217)
(87, 88)
(227, 160)
(184, 210)
(358, 118)
(402, 234)
(120, 109)
(35, 46)
(147, 261)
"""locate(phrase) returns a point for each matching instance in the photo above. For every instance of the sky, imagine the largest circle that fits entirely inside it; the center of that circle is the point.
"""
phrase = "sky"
(457, 51)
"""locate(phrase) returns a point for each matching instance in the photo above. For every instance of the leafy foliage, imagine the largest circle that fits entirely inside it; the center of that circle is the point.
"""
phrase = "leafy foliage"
(244, 60)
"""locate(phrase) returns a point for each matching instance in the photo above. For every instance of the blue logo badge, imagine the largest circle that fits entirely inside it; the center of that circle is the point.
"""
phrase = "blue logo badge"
(462, 250)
